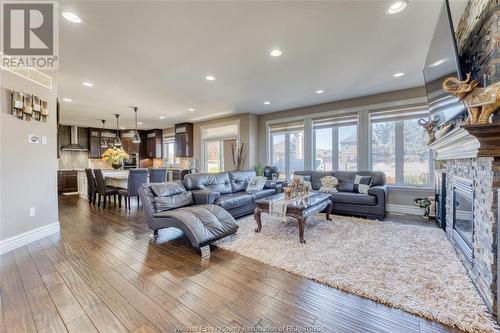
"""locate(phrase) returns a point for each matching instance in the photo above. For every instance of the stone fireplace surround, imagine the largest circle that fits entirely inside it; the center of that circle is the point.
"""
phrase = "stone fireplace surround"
(459, 152)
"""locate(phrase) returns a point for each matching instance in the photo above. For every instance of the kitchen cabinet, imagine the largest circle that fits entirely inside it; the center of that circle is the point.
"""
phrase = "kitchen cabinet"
(95, 143)
(64, 136)
(96, 135)
(184, 140)
(67, 181)
(129, 146)
(83, 137)
(154, 144)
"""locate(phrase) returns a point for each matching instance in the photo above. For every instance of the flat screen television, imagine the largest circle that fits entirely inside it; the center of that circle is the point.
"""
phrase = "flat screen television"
(442, 62)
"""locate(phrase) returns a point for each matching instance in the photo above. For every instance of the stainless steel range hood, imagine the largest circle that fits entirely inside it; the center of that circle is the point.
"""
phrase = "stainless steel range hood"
(74, 145)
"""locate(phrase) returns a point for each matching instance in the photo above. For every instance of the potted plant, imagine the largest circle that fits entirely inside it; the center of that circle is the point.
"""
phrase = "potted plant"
(115, 156)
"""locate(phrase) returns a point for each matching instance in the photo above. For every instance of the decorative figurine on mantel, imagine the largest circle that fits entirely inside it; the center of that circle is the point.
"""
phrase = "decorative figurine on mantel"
(481, 103)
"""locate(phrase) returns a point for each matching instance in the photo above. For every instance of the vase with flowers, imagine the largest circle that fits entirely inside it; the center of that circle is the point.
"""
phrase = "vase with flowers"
(115, 156)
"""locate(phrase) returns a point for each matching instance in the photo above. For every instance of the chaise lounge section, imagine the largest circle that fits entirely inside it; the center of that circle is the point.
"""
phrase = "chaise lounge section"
(169, 205)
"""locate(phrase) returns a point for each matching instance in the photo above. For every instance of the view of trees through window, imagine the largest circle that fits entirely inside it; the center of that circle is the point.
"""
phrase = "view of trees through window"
(384, 149)
(414, 154)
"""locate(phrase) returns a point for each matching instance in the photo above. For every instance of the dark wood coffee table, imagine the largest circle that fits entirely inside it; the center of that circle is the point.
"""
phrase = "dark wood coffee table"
(300, 209)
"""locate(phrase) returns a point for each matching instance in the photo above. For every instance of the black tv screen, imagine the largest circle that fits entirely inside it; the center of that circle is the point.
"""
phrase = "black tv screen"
(442, 62)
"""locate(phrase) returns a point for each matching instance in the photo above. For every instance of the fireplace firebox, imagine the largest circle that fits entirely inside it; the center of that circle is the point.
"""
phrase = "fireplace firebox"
(463, 215)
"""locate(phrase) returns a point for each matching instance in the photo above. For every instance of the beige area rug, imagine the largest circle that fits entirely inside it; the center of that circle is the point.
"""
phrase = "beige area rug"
(410, 267)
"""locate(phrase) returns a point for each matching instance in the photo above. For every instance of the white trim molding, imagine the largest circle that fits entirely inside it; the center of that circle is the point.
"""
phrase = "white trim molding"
(403, 209)
(17, 241)
(455, 145)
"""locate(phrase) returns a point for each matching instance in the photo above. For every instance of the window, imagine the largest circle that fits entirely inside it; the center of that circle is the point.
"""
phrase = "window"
(214, 160)
(217, 147)
(335, 144)
(168, 148)
(287, 148)
(399, 146)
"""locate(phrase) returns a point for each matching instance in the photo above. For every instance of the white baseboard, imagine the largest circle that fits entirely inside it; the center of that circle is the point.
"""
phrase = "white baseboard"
(14, 242)
(403, 209)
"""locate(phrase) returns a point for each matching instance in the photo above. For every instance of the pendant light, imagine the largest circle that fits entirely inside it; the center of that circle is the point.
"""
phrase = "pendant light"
(104, 142)
(117, 142)
(136, 138)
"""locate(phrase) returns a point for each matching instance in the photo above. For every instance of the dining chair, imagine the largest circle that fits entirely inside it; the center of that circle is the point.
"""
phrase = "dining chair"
(157, 175)
(91, 186)
(104, 191)
(136, 177)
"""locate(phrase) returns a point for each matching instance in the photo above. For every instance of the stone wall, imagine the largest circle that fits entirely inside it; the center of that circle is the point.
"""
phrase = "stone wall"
(485, 172)
(478, 39)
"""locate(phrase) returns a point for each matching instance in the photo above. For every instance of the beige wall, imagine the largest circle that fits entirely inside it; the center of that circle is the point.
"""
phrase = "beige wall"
(28, 171)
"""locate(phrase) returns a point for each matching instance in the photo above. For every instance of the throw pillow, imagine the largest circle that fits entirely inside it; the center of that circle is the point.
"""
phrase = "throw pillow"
(256, 183)
(362, 184)
(329, 184)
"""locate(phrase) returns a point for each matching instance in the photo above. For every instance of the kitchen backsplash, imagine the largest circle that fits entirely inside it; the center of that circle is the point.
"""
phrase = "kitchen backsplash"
(73, 160)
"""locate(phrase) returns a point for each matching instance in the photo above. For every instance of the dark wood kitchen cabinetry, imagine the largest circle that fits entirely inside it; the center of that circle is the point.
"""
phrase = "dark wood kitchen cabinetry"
(154, 143)
(95, 137)
(95, 143)
(67, 181)
(83, 137)
(64, 134)
(184, 140)
(130, 147)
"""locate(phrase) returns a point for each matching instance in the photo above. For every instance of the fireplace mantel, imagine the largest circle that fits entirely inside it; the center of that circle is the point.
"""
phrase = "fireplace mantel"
(457, 144)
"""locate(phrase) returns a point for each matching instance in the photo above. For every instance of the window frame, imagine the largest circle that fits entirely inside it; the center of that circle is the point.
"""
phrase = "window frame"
(335, 142)
(399, 155)
(286, 133)
(364, 135)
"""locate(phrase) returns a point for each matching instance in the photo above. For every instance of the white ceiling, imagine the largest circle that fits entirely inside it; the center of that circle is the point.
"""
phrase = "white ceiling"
(155, 55)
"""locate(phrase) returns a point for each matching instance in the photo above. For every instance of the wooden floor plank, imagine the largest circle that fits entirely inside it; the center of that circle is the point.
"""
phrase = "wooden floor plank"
(17, 314)
(102, 273)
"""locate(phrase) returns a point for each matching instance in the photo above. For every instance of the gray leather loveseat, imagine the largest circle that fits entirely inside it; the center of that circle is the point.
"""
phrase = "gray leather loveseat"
(346, 202)
(227, 190)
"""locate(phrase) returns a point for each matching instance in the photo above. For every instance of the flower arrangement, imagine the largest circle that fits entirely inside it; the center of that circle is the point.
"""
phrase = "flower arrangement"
(115, 156)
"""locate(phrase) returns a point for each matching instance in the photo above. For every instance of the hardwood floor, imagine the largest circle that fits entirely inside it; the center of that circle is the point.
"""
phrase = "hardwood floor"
(103, 274)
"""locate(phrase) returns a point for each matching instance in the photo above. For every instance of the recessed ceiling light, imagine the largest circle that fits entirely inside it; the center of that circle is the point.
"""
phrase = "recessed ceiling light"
(210, 78)
(88, 84)
(122, 127)
(162, 117)
(192, 110)
(276, 53)
(67, 100)
(397, 6)
(139, 123)
(267, 102)
(72, 17)
(320, 91)
(398, 74)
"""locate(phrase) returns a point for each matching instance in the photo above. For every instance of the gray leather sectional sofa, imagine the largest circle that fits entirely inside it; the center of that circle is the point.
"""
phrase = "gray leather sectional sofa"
(227, 190)
(345, 202)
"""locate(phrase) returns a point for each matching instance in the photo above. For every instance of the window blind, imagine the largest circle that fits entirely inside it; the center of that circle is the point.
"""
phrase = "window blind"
(286, 127)
(337, 121)
(403, 113)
